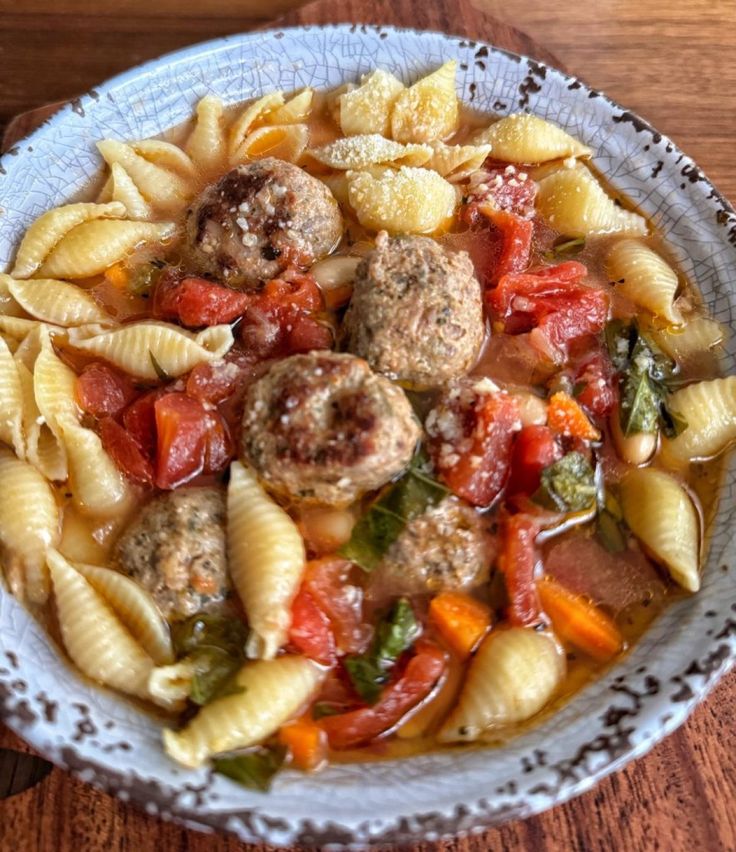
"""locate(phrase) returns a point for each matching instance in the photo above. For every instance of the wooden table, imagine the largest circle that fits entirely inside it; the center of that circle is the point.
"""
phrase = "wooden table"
(670, 61)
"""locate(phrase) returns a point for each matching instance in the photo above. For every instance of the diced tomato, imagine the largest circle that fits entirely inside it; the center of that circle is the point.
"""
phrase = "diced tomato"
(596, 386)
(125, 452)
(534, 449)
(139, 420)
(504, 186)
(310, 632)
(103, 391)
(212, 383)
(516, 243)
(470, 443)
(517, 562)
(552, 305)
(307, 334)
(190, 440)
(195, 301)
(419, 678)
(328, 582)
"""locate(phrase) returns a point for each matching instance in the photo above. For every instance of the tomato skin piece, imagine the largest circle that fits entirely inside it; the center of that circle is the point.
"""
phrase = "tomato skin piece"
(516, 243)
(125, 452)
(139, 420)
(308, 334)
(517, 562)
(419, 678)
(196, 302)
(310, 631)
(599, 396)
(534, 449)
(181, 434)
(103, 391)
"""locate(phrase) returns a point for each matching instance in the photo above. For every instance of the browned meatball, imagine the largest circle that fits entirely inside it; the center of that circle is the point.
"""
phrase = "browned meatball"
(323, 428)
(445, 548)
(260, 218)
(416, 313)
(175, 548)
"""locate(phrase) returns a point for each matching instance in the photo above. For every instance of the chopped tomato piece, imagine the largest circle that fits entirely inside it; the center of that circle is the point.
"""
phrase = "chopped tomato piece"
(471, 435)
(516, 242)
(195, 301)
(190, 440)
(125, 452)
(421, 675)
(534, 449)
(310, 631)
(503, 186)
(139, 420)
(596, 387)
(212, 383)
(517, 562)
(103, 391)
(566, 417)
(307, 334)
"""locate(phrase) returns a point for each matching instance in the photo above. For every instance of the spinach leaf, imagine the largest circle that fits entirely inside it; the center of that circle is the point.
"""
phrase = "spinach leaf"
(568, 485)
(395, 634)
(386, 518)
(565, 247)
(255, 769)
(216, 646)
(639, 404)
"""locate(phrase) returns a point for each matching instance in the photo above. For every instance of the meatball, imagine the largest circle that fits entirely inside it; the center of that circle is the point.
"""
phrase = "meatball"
(260, 218)
(416, 314)
(175, 548)
(445, 548)
(323, 428)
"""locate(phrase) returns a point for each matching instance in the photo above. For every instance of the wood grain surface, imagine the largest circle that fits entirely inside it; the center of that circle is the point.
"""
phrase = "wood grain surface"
(670, 60)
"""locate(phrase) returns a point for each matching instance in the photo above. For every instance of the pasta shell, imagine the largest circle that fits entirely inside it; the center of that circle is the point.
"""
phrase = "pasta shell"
(94, 638)
(709, 408)
(91, 248)
(266, 557)
(644, 278)
(105, 193)
(97, 486)
(54, 386)
(206, 144)
(17, 327)
(408, 201)
(249, 119)
(514, 673)
(138, 347)
(339, 186)
(135, 607)
(295, 110)
(575, 204)
(43, 449)
(457, 162)
(367, 109)
(84, 539)
(8, 305)
(124, 190)
(662, 516)
(164, 189)
(274, 692)
(167, 155)
(526, 138)
(696, 337)
(11, 402)
(172, 684)
(285, 142)
(29, 522)
(58, 302)
(357, 152)
(49, 229)
(429, 110)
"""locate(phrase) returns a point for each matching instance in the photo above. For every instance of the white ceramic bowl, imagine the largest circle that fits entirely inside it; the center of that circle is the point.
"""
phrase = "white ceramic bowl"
(107, 742)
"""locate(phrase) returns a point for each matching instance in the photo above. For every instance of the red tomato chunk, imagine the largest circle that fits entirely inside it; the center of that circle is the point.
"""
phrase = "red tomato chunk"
(597, 388)
(517, 562)
(103, 391)
(196, 302)
(534, 449)
(126, 453)
(310, 632)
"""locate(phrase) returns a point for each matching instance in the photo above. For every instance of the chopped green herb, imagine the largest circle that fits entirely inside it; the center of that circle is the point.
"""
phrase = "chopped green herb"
(216, 645)
(639, 404)
(395, 634)
(254, 770)
(385, 520)
(144, 277)
(609, 532)
(565, 247)
(568, 485)
(158, 369)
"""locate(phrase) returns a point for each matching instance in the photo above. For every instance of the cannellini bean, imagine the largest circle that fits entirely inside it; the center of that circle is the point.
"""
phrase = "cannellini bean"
(635, 449)
(335, 277)
(326, 530)
(532, 408)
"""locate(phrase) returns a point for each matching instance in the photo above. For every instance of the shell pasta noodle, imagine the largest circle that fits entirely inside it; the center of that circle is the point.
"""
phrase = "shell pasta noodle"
(354, 424)
(273, 692)
(266, 560)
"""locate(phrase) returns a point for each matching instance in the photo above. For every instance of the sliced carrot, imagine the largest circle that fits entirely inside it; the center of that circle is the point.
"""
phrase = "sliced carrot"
(461, 620)
(307, 743)
(117, 275)
(566, 417)
(580, 622)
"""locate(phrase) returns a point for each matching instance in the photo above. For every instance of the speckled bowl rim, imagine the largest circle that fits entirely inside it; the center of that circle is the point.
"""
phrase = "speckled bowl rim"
(638, 693)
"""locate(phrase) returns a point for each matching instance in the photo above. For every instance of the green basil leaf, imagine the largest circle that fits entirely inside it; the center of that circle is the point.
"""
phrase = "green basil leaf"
(394, 634)
(568, 485)
(158, 369)
(640, 400)
(386, 518)
(214, 675)
(254, 770)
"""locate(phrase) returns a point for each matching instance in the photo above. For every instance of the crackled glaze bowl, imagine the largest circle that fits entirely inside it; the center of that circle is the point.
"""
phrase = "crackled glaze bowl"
(113, 745)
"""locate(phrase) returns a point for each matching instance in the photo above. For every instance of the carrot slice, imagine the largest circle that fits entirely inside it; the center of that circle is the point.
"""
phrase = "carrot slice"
(307, 743)
(117, 275)
(566, 417)
(580, 622)
(461, 620)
